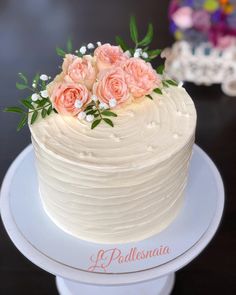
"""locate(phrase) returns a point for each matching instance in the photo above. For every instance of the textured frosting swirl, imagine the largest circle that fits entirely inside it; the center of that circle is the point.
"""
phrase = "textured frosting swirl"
(118, 184)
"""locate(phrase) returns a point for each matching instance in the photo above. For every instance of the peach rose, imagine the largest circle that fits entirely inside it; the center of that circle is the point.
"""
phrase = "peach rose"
(108, 56)
(65, 96)
(79, 70)
(140, 77)
(112, 85)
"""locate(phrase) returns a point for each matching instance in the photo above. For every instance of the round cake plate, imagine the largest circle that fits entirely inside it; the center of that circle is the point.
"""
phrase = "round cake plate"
(145, 267)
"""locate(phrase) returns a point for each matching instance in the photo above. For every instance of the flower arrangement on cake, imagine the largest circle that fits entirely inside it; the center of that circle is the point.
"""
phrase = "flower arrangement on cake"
(198, 21)
(95, 81)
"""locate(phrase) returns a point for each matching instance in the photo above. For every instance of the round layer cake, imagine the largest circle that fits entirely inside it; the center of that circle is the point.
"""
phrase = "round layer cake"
(121, 184)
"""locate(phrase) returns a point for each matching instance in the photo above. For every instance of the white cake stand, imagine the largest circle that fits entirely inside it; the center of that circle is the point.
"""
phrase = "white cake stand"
(72, 260)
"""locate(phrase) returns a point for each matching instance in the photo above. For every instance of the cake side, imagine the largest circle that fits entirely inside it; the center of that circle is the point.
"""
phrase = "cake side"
(122, 184)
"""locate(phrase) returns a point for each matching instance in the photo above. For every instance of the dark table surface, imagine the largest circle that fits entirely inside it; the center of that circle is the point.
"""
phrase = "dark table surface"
(29, 32)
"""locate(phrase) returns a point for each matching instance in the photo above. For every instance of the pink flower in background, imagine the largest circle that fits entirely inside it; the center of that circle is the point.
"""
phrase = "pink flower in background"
(226, 41)
(140, 77)
(79, 70)
(65, 96)
(183, 17)
(108, 56)
(112, 85)
(201, 20)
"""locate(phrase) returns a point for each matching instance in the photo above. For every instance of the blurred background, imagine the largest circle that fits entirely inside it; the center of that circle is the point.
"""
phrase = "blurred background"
(30, 30)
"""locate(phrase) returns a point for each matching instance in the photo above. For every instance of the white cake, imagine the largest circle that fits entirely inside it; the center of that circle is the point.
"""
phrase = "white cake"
(121, 184)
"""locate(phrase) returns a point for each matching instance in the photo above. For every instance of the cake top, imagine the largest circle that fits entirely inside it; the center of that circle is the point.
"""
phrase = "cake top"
(95, 83)
(145, 133)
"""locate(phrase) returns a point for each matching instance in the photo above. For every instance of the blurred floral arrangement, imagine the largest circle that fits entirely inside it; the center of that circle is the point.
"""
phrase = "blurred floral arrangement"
(197, 21)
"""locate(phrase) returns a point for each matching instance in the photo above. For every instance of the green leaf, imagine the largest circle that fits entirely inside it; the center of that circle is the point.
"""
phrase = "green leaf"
(60, 52)
(44, 113)
(158, 91)
(14, 110)
(109, 114)
(108, 121)
(154, 53)
(49, 110)
(23, 77)
(34, 117)
(21, 86)
(121, 43)
(96, 123)
(172, 82)
(36, 78)
(89, 107)
(22, 123)
(160, 69)
(27, 104)
(149, 96)
(69, 45)
(92, 112)
(165, 84)
(133, 29)
(55, 111)
(149, 36)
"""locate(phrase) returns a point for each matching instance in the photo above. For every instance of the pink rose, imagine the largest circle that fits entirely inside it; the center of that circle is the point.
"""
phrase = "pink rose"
(183, 17)
(65, 95)
(111, 85)
(108, 56)
(140, 77)
(79, 70)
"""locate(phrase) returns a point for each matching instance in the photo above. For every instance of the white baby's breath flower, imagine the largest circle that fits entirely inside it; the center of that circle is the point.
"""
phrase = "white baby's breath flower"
(82, 50)
(90, 46)
(112, 102)
(103, 105)
(34, 85)
(89, 118)
(139, 50)
(76, 51)
(144, 55)
(94, 98)
(81, 116)
(43, 77)
(99, 43)
(35, 97)
(127, 53)
(94, 108)
(136, 54)
(78, 104)
(44, 93)
(180, 84)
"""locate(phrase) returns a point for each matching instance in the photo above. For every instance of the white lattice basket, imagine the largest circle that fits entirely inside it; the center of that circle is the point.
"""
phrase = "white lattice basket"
(202, 65)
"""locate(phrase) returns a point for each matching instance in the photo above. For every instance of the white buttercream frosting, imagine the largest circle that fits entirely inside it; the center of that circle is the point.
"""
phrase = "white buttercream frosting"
(121, 184)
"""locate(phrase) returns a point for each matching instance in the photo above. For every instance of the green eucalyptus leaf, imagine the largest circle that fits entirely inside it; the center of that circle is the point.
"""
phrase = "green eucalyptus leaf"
(96, 123)
(121, 43)
(49, 110)
(92, 112)
(60, 52)
(149, 96)
(108, 121)
(34, 117)
(14, 110)
(158, 91)
(27, 104)
(149, 36)
(109, 114)
(133, 29)
(22, 123)
(165, 83)
(172, 82)
(160, 69)
(89, 107)
(154, 53)
(23, 77)
(69, 45)
(44, 113)
(21, 86)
